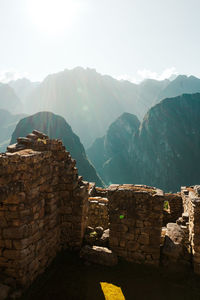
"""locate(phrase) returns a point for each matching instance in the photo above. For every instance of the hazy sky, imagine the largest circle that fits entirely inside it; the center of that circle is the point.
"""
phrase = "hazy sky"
(130, 39)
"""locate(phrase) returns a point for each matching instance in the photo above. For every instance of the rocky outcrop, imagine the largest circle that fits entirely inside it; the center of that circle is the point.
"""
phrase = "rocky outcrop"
(56, 127)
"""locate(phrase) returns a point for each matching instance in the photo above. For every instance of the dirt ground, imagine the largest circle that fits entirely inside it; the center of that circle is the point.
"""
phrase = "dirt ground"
(69, 278)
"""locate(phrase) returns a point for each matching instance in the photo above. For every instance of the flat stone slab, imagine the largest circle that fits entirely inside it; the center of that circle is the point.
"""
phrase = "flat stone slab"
(99, 255)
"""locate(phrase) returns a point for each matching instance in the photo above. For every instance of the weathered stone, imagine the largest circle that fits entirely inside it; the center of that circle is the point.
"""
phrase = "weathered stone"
(99, 230)
(40, 210)
(135, 222)
(99, 255)
(105, 236)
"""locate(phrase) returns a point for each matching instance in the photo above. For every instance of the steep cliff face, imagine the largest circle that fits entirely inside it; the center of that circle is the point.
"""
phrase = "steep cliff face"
(7, 126)
(166, 149)
(56, 127)
(163, 152)
(110, 154)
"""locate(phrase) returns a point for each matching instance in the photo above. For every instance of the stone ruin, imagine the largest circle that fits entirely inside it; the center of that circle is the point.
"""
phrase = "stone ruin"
(43, 207)
(46, 207)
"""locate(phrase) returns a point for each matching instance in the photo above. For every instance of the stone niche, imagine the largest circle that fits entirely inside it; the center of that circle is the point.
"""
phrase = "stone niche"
(43, 207)
(136, 216)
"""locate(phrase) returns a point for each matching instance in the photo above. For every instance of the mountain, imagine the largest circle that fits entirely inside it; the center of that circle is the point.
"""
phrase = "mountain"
(148, 94)
(8, 123)
(182, 84)
(23, 87)
(56, 127)
(163, 151)
(166, 148)
(91, 101)
(110, 154)
(8, 99)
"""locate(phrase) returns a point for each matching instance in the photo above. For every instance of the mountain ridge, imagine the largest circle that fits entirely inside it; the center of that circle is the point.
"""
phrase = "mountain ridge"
(56, 127)
(163, 150)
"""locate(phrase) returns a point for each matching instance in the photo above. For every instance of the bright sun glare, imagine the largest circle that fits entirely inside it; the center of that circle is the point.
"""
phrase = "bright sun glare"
(53, 16)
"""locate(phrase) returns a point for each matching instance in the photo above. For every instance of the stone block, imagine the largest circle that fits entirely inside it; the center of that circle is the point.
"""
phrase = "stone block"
(99, 255)
(143, 239)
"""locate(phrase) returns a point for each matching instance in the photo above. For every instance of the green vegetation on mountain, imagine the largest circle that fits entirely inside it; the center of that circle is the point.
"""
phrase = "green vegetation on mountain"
(56, 127)
(110, 154)
(163, 152)
(91, 101)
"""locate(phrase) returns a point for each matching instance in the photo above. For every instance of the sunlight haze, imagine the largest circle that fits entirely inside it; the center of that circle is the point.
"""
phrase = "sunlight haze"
(130, 39)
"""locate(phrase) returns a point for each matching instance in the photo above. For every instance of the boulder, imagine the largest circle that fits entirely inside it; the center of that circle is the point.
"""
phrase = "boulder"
(174, 249)
(99, 255)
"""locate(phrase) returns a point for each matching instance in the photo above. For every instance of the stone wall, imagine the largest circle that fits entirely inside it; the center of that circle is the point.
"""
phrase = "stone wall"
(42, 207)
(191, 202)
(136, 215)
(175, 208)
(98, 212)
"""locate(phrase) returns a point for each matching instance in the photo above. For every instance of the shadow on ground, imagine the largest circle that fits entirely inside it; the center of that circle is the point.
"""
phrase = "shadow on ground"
(68, 278)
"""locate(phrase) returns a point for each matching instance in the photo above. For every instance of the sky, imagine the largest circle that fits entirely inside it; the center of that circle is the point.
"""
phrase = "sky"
(127, 39)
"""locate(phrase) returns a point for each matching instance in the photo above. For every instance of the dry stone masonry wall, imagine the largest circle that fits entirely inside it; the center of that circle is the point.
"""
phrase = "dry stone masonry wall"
(136, 214)
(42, 207)
(175, 208)
(98, 212)
(191, 202)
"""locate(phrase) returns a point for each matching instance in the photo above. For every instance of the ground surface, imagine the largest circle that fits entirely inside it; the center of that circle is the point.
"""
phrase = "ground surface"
(69, 278)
